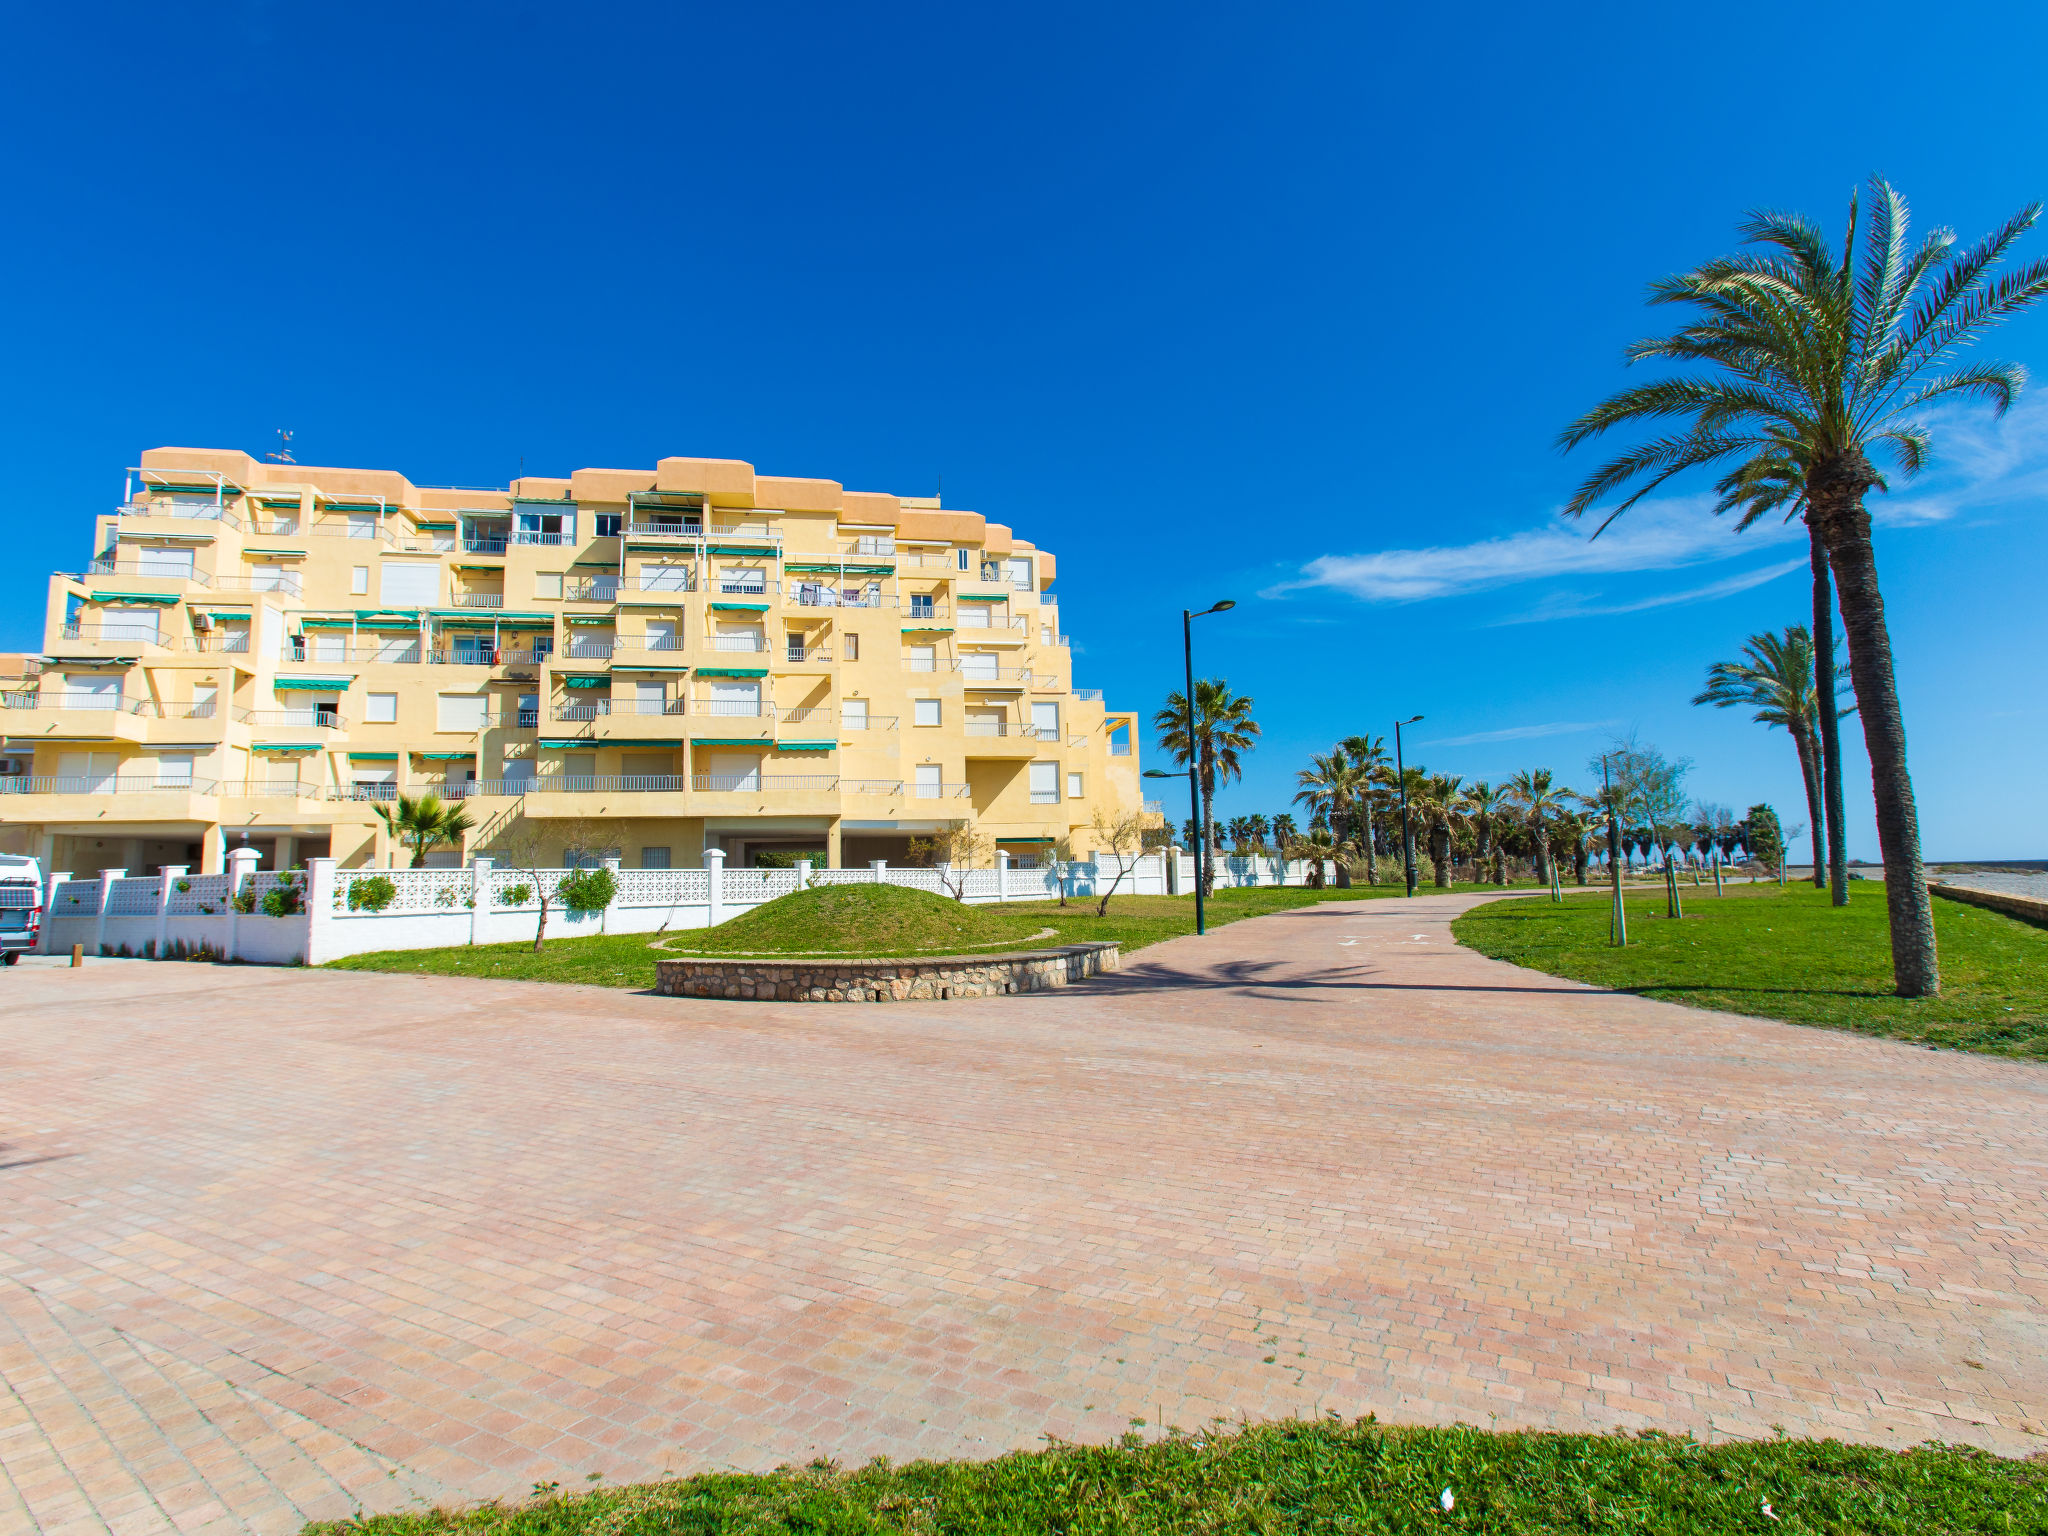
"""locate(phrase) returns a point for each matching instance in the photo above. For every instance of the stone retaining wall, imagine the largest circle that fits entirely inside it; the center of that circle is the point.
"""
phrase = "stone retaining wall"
(818, 980)
(2030, 907)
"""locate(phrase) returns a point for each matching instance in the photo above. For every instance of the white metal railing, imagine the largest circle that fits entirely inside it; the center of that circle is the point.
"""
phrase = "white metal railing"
(476, 600)
(269, 789)
(871, 786)
(647, 707)
(593, 589)
(816, 714)
(581, 649)
(798, 655)
(484, 544)
(544, 540)
(60, 698)
(203, 709)
(363, 792)
(1005, 728)
(734, 708)
(977, 672)
(667, 528)
(739, 642)
(874, 544)
(324, 650)
(1092, 695)
(116, 633)
(747, 783)
(318, 719)
(590, 784)
(426, 544)
(918, 610)
(648, 644)
(920, 664)
(152, 569)
(222, 642)
(594, 709)
(1048, 599)
(99, 784)
(186, 513)
(812, 594)
(288, 582)
(274, 527)
(754, 529)
(938, 791)
(743, 587)
(979, 616)
(524, 657)
(868, 723)
(368, 532)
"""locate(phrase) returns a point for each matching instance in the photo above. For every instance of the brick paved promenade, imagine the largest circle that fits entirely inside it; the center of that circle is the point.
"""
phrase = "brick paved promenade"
(281, 1244)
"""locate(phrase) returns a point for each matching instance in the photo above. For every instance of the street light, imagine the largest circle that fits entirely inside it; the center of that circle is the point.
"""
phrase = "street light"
(1187, 656)
(1617, 927)
(1407, 832)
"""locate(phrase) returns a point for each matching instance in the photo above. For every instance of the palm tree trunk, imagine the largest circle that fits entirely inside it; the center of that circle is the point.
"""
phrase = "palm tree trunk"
(1207, 873)
(1809, 774)
(1830, 724)
(1845, 525)
(1372, 867)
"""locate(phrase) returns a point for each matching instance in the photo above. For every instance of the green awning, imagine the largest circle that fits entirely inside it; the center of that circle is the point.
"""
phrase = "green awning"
(312, 684)
(443, 757)
(981, 597)
(290, 554)
(584, 679)
(604, 619)
(464, 565)
(741, 607)
(133, 597)
(497, 617)
(278, 501)
(732, 671)
(373, 757)
(849, 568)
(285, 746)
(409, 626)
(572, 741)
(638, 741)
(730, 741)
(421, 522)
(807, 746)
(928, 629)
(745, 549)
(639, 666)
(665, 549)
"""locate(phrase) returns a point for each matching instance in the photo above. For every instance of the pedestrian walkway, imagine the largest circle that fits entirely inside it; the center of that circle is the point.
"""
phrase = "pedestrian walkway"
(278, 1245)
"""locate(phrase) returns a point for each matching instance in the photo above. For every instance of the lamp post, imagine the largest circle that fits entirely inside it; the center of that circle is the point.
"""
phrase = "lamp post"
(1407, 832)
(1187, 656)
(1617, 929)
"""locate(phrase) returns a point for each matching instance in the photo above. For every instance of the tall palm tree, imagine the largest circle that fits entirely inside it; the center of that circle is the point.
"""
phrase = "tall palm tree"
(1370, 754)
(1224, 732)
(1574, 828)
(1283, 830)
(1764, 484)
(1823, 361)
(1331, 787)
(1443, 814)
(422, 823)
(1315, 847)
(1482, 805)
(1538, 800)
(1776, 679)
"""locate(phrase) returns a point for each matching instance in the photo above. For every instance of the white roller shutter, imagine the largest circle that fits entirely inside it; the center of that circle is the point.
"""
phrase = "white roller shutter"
(410, 583)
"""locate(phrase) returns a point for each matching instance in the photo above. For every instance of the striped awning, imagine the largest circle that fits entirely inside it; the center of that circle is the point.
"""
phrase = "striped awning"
(312, 684)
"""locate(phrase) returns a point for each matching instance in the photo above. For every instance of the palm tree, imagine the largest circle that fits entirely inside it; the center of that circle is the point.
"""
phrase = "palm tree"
(1370, 754)
(421, 824)
(1257, 825)
(1532, 793)
(1224, 732)
(1822, 362)
(1482, 805)
(1283, 831)
(1437, 807)
(1776, 678)
(1315, 847)
(1330, 787)
(1573, 827)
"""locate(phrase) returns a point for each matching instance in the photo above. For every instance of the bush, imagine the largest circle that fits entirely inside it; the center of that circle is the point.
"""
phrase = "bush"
(516, 895)
(285, 899)
(372, 894)
(588, 890)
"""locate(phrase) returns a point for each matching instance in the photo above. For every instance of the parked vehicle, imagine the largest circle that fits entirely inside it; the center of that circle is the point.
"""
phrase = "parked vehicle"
(21, 905)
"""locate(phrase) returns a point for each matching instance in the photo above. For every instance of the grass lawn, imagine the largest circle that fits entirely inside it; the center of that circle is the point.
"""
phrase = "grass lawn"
(1326, 1477)
(1786, 954)
(625, 960)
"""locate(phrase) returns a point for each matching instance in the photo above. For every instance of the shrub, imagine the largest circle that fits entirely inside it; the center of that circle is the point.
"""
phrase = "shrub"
(587, 890)
(515, 895)
(371, 894)
(285, 899)
(181, 886)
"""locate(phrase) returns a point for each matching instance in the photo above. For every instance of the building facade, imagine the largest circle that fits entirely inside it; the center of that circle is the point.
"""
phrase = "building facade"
(636, 663)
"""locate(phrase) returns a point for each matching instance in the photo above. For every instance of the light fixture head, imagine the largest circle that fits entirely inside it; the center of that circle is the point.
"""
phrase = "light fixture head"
(1161, 773)
(1227, 603)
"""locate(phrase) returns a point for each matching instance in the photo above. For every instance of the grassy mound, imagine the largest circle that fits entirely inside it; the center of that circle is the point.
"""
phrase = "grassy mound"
(861, 919)
(1293, 1479)
(1786, 954)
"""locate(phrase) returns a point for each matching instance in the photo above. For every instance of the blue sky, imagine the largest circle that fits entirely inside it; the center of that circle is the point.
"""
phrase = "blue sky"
(1283, 303)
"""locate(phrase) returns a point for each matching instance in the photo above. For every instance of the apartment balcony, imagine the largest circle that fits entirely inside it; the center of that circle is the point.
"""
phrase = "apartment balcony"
(592, 589)
(148, 570)
(87, 797)
(916, 613)
(290, 583)
(680, 529)
(816, 717)
(115, 633)
(580, 649)
(754, 644)
(426, 543)
(1089, 695)
(764, 783)
(889, 788)
(1000, 739)
(747, 531)
(812, 594)
(322, 650)
(733, 709)
(505, 657)
(476, 599)
(222, 642)
(488, 544)
(920, 664)
(103, 784)
(275, 527)
(867, 722)
(152, 510)
(363, 793)
(206, 709)
(270, 789)
(670, 579)
(792, 656)
(645, 645)
(976, 616)
(872, 546)
(63, 713)
(298, 719)
(596, 709)
(649, 707)
(367, 532)
(534, 538)
(940, 791)
(989, 679)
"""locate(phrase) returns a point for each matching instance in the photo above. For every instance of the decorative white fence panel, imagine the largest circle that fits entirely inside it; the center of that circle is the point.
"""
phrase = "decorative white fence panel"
(204, 895)
(133, 897)
(915, 879)
(664, 887)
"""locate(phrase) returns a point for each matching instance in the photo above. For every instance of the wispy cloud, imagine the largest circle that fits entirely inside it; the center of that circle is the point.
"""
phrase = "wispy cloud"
(1565, 605)
(1522, 733)
(1661, 536)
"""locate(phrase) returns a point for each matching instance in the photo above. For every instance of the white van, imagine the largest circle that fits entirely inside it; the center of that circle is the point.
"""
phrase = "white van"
(21, 905)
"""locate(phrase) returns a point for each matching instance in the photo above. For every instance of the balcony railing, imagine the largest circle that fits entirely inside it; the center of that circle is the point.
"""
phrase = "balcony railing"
(269, 789)
(816, 714)
(768, 783)
(580, 649)
(798, 655)
(187, 513)
(323, 650)
(928, 610)
(920, 664)
(938, 791)
(288, 582)
(222, 642)
(647, 644)
(1093, 695)
(476, 600)
(101, 784)
(742, 588)
(202, 709)
(1048, 599)
(977, 616)
(426, 544)
(648, 707)
(274, 527)
(484, 544)
(971, 673)
(367, 532)
(871, 786)
(362, 792)
(57, 698)
(1005, 728)
(596, 709)
(154, 570)
(868, 723)
(874, 545)
(733, 709)
(669, 578)
(523, 658)
(317, 719)
(739, 642)
(811, 594)
(544, 540)
(114, 633)
(592, 589)
(667, 528)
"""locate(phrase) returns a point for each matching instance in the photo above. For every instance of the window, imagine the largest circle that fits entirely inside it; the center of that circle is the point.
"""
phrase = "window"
(1074, 787)
(1045, 634)
(205, 700)
(268, 577)
(381, 709)
(920, 605)
(541, 528)
(1045, 783)
(924, 711)
(852, 648)
(920, 658)
(609, 526)
(529, 717)
(853, 714)
(362, 525)
(796, 645)
(547, 584)
(463, 712)
(411, 583)
(966, 557)
(155, 561)
(1020, 573)
(359, 581)
(1045, 716)
(664, 578)
(174, 769)
(129, 624)
(928, 785)
(650, 696)
(653, 858)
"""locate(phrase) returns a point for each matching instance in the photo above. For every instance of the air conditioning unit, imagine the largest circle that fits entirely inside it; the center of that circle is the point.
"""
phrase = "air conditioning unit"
(202, 623)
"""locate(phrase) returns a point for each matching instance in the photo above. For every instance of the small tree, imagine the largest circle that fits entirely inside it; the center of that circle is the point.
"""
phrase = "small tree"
(953, 850)
(423, 823)
(1119, 832)
(1764, 838)
(1060, 853)
(523, 846)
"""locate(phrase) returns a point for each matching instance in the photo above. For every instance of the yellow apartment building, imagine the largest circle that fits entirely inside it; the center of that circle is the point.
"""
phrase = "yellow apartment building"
(654, 661)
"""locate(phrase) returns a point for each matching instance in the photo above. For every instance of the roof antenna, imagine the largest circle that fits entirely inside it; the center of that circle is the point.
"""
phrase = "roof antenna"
(939, 496)
(283, 455)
